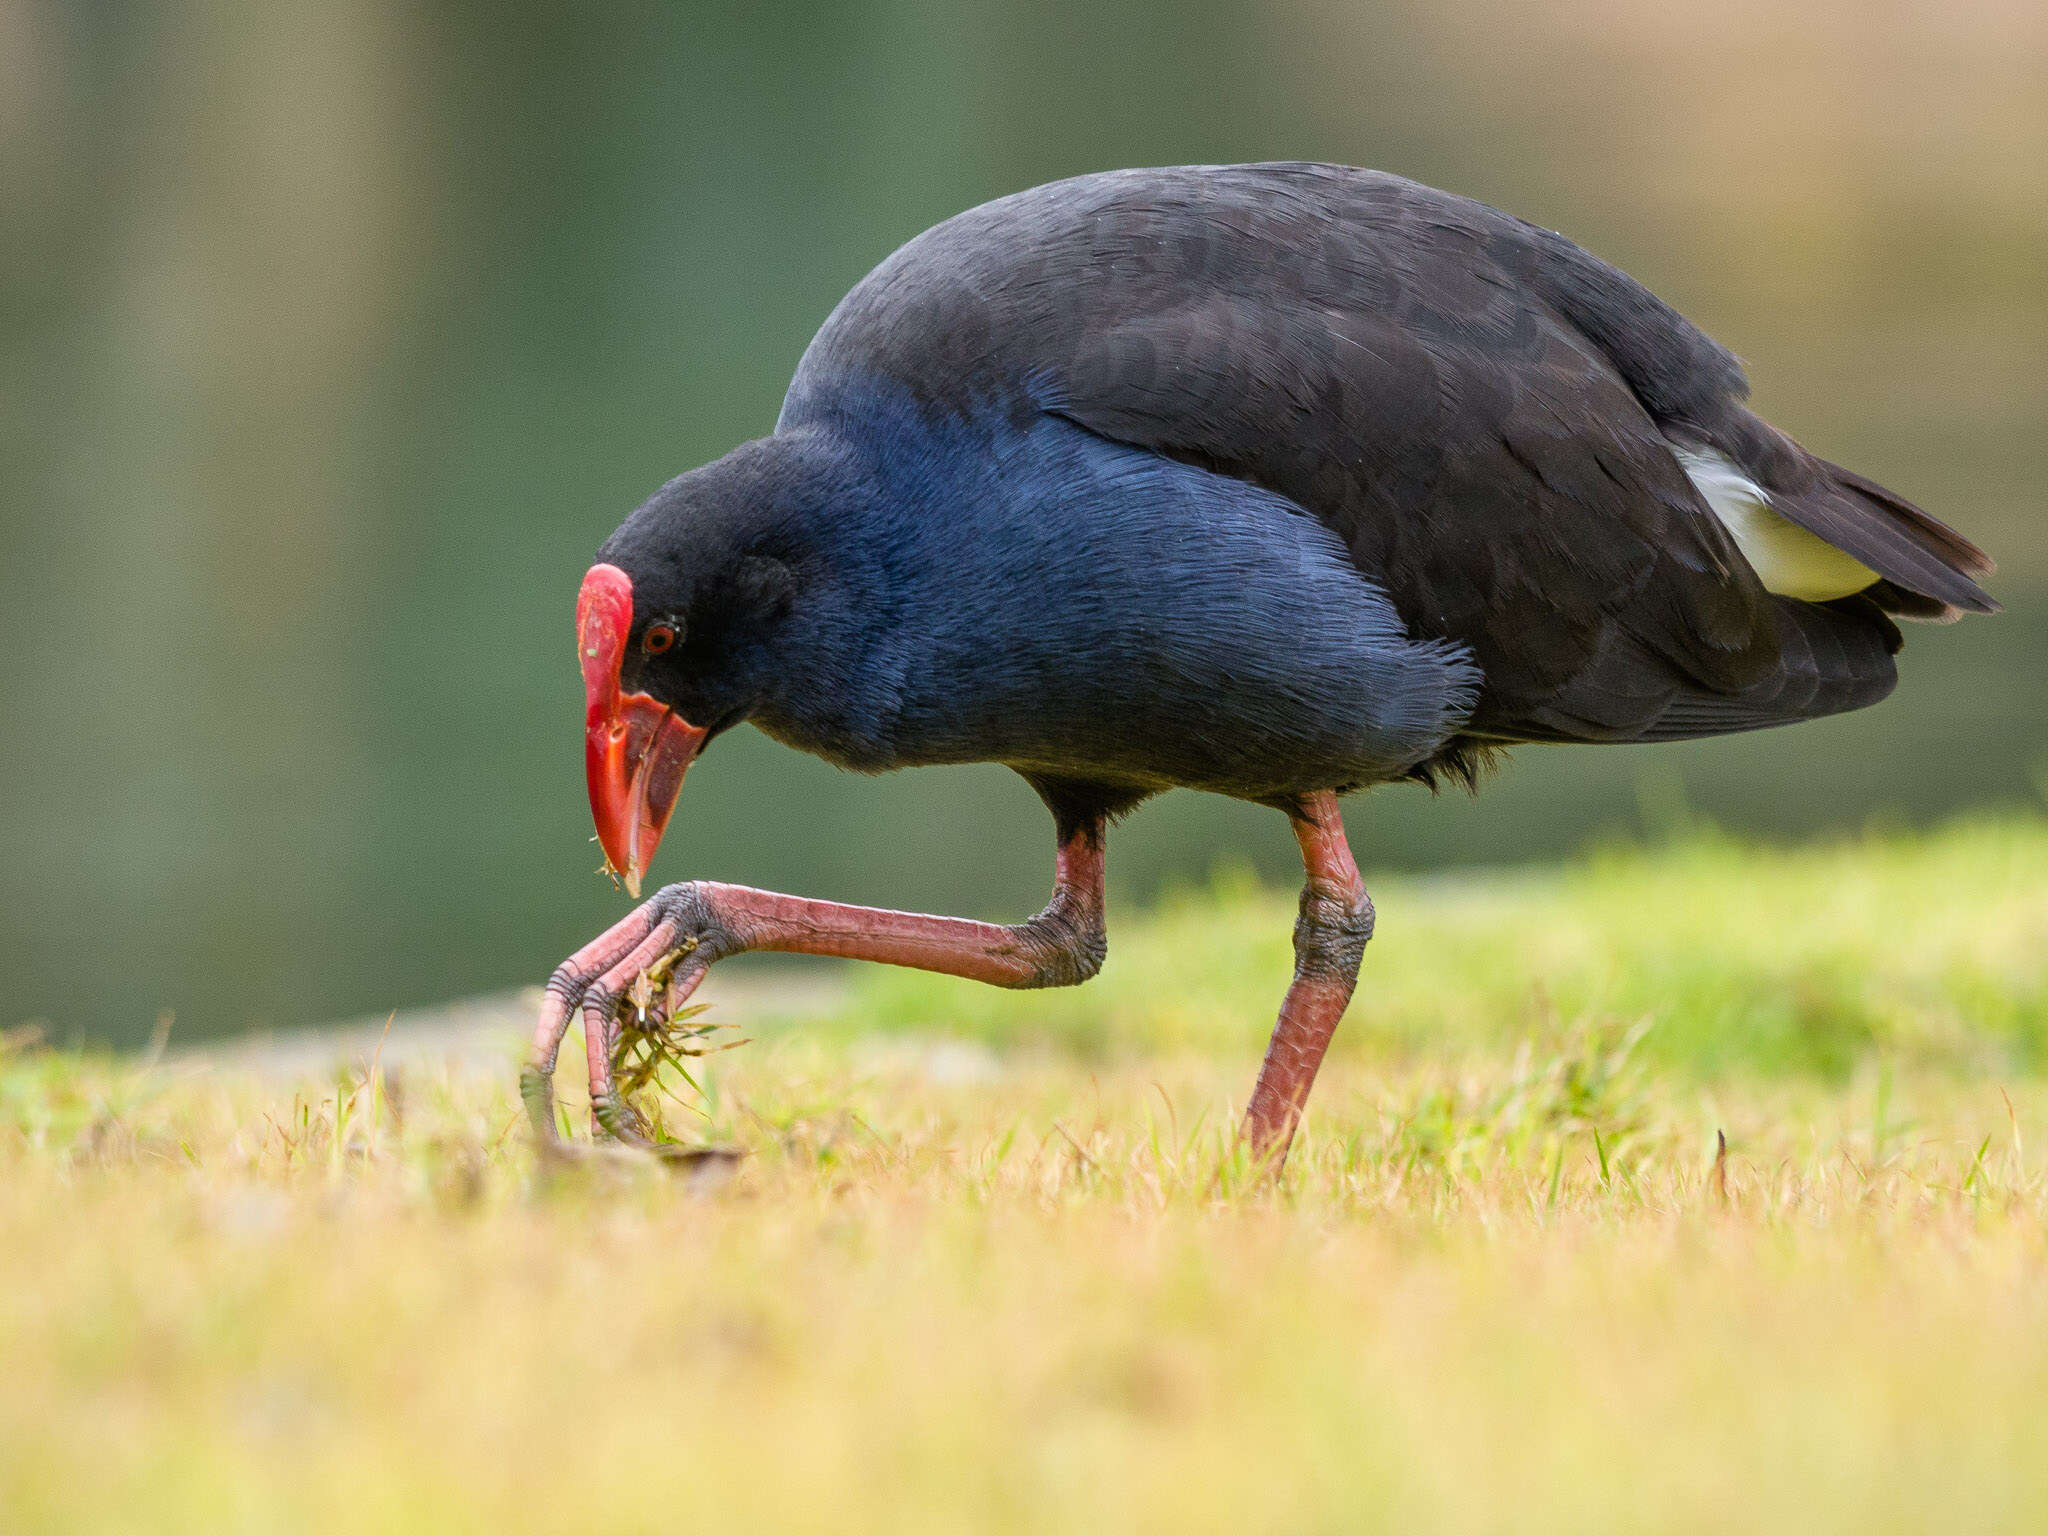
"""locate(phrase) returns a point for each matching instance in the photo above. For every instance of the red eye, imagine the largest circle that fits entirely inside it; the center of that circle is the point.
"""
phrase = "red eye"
(659, 637)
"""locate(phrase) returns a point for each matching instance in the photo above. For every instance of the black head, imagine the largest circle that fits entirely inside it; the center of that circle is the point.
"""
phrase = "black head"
(711, 588)
(680, 625)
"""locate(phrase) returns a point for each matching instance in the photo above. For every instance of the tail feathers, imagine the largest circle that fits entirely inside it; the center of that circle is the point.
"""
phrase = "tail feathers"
(1835, 657)
(1928, 565)
(1929, 529)
(1895, 599)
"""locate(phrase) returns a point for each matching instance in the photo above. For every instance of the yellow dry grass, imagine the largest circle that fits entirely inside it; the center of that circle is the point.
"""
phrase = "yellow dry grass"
(1507, 1284)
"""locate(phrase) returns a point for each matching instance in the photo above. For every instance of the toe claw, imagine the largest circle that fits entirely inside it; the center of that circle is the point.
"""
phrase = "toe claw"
(537, 1092)
(621, 1121)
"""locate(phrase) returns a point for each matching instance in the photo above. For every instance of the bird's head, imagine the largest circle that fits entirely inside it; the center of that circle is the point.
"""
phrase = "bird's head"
(676, 630)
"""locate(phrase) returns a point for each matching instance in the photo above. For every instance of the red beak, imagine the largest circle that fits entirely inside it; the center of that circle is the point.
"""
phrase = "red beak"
(635, 749)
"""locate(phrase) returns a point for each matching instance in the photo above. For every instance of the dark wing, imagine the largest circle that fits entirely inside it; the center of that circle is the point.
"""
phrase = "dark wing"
(1498, 479)
(1475, 406)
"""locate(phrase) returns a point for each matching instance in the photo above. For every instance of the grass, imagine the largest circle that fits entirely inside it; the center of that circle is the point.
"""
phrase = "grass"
(993, 1264)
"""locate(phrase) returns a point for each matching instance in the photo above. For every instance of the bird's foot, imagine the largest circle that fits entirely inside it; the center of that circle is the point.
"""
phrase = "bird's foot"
(630, 986)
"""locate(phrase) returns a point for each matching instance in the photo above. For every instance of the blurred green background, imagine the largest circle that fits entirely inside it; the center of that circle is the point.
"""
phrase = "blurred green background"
(335, 336)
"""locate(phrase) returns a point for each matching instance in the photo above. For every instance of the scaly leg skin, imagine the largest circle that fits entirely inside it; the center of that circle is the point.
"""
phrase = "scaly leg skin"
(1329, 942)
(701, 922)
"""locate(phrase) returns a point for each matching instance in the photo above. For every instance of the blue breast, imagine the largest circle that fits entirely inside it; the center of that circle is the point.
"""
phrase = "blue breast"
(1040, 596)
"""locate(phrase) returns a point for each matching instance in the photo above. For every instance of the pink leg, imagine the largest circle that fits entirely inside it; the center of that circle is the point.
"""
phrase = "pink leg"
(703, 922)
(1329, 942)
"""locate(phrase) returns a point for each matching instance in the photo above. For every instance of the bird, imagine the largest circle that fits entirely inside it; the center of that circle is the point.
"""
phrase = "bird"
(1275, 481)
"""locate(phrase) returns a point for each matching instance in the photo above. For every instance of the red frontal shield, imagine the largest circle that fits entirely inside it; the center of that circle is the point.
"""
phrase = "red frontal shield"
(635, 749)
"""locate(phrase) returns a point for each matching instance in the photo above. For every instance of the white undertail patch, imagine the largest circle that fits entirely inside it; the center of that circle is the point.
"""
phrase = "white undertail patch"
(1786, 558)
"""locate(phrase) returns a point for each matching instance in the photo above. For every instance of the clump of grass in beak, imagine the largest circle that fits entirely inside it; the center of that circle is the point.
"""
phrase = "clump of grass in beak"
(647, 1039)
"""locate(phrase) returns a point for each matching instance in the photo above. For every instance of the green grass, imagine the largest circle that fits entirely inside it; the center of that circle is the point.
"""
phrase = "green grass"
(992, 1262)
(1801, 961)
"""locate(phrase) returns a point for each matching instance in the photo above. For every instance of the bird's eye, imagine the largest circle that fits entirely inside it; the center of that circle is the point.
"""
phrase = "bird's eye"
(659, 637)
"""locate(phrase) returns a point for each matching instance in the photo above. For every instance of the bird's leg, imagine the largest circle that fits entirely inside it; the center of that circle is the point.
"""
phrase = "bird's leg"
(1329, 942)
(700, 922)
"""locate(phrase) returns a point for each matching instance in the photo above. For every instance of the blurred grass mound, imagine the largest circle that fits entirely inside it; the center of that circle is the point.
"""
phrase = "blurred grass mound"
(1697, 1188)
(1733, 958)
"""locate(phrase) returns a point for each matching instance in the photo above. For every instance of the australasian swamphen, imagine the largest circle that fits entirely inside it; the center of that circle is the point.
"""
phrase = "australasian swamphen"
(1276, 481)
